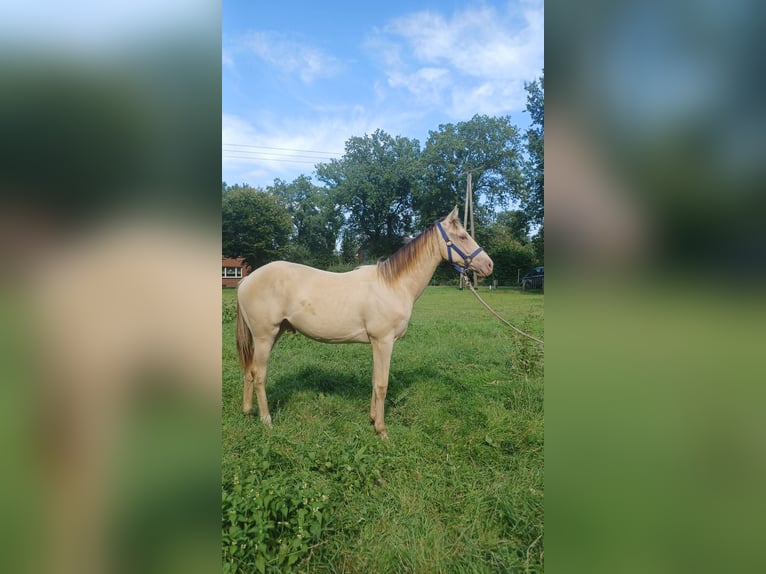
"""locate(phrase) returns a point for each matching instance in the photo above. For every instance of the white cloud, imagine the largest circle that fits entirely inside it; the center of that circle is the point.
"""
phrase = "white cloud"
(483, 56)
(426, 84)
(295, 58)
(227, 60)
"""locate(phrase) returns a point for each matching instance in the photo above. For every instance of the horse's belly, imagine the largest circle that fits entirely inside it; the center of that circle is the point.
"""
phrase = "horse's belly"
(333, 327)
(325, 335)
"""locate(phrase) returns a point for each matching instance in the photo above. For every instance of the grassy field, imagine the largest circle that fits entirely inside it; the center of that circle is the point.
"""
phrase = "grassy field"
(457, 488)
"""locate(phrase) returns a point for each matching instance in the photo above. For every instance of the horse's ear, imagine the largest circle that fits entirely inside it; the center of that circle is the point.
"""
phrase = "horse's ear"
(453, 214)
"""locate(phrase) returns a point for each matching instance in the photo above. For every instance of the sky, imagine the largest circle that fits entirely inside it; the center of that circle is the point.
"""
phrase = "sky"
(300, 78)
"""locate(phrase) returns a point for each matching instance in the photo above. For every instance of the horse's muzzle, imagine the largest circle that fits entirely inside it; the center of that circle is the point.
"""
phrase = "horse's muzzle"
(482, 264)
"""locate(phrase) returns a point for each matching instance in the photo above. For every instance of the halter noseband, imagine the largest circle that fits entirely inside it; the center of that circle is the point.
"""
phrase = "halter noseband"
(467, 259)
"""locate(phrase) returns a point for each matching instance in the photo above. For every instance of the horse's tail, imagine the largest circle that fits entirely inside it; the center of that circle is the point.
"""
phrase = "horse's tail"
(244, 340)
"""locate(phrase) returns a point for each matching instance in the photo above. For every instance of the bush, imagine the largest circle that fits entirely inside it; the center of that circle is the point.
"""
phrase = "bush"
(229, 310)
(511, 259)
(341, 267)
(269, 523)
(445, 274)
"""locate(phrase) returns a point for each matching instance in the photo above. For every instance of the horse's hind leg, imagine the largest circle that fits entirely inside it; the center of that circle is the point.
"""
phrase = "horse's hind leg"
(255, 376)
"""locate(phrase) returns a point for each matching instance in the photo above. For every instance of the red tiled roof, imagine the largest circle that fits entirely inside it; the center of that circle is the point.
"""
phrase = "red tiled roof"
(229, 262)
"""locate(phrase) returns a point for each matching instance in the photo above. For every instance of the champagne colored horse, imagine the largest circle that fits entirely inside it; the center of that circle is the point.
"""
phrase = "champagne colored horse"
(371, 304)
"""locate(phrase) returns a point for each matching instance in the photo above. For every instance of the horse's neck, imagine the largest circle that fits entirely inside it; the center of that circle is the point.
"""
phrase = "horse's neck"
(417, 279)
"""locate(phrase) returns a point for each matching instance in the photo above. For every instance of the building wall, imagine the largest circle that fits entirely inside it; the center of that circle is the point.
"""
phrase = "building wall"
(230, 282)
(233, 281)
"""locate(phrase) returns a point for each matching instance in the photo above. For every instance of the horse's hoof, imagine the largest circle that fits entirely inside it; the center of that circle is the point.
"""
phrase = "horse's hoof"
(266, 420)
(383, 435)
(247, 411)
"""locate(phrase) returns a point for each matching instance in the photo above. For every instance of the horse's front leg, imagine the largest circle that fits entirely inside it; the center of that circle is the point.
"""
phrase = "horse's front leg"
(381, 361)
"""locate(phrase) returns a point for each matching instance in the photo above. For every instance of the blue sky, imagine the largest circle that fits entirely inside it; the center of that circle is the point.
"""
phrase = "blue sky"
(300, 78)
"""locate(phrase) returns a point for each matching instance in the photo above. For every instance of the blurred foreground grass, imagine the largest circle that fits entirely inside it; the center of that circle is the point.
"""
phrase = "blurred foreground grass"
(656, 263)
(109, 227)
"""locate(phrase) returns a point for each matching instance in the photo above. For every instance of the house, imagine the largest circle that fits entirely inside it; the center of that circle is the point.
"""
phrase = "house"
(232, 271)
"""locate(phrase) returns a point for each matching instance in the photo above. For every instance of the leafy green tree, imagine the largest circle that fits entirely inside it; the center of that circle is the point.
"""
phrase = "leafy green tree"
(316, 220)
(374, 183)
(508, 243)
(488, 147)
(538, 244)
(533, 198)
(349, 247)
(254, 225)
(516, 223)
(511, 259)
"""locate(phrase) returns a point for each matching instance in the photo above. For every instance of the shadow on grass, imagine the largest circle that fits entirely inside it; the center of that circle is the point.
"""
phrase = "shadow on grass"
(351, 386)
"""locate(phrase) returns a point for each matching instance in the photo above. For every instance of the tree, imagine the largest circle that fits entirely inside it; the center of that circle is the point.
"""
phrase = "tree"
(316, 220)
(488, 147)
(254, 225)
(511, 250)
(511, 259)
(533, 199)
(515, 223)
(538, 244)
(374, 183)
(349, 247)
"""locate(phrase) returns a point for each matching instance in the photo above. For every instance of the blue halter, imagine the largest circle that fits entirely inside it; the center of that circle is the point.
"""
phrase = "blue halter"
(467, 259)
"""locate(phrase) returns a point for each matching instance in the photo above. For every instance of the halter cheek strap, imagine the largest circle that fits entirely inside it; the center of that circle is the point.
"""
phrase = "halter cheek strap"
(467, 259)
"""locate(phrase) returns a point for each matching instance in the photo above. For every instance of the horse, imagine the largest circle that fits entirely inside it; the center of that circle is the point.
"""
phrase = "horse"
(371, 304)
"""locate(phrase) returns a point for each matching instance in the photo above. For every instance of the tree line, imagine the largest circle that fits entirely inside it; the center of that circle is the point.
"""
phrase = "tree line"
(386, 188)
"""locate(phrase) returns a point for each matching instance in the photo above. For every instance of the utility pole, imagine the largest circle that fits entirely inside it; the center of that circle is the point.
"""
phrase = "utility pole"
(467, 195)
(469, 208)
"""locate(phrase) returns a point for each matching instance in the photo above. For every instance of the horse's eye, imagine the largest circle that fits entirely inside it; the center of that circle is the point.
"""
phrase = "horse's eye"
(463, 236)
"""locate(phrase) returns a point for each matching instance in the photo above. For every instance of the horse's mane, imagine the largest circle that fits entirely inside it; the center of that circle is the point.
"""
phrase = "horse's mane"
(405, 258)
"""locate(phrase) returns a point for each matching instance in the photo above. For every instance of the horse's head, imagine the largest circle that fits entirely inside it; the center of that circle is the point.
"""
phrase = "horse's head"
(459, 248)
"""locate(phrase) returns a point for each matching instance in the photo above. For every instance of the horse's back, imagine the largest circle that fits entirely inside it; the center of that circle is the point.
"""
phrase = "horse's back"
(283, 275)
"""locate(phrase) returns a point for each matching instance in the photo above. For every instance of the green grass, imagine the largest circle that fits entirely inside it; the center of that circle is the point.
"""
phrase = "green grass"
(457, 488)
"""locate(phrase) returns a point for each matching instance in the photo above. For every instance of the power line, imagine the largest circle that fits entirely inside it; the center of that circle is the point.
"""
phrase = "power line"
(265, 154)
(283, 149)
(260, 153)
(255, 158)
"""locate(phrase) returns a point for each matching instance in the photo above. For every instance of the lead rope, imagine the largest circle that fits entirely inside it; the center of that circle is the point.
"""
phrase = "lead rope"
(491, 310)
